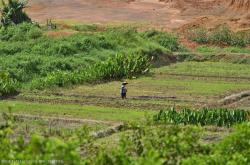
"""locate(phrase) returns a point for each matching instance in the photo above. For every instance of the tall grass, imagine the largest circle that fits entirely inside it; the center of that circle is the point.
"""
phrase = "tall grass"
(214, 49)
(220, 35)
(27, 54)
(166, 40)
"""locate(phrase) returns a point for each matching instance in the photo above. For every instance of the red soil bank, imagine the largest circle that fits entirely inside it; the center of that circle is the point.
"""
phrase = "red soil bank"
(158, 13)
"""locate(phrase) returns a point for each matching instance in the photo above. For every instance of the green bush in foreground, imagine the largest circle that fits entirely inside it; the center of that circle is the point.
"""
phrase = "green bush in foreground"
(7, 85)
(218, 117)
(157, 145)
(143, 144)
(39, 150)
(178, 145)
(234, 149)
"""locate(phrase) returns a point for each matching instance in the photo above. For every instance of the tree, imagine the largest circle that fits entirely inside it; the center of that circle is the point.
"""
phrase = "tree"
(12, 12)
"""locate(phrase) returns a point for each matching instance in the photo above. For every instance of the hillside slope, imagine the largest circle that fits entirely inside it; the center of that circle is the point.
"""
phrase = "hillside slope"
(240, 4)
(159, 13)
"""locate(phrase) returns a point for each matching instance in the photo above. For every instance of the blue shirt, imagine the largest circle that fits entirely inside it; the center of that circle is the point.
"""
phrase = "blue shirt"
(123, 89)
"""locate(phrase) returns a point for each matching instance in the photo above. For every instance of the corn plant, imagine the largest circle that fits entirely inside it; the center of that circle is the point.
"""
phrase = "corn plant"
(117, 67)
(218, 117)
(7, 85)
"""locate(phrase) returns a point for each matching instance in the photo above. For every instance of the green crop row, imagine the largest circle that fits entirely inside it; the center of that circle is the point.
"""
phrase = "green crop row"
(120, 66)
(218, 117)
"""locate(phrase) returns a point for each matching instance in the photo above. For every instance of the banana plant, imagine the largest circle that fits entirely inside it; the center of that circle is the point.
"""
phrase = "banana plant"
(12, 12)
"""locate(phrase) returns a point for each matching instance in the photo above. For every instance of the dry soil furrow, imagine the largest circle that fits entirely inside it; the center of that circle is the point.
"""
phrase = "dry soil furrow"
(65, 120)
(108, 101)
(234, 98)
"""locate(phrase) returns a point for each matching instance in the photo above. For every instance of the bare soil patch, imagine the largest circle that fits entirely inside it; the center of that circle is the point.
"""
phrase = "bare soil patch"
(61, 119)
(159, 13)
(234, 98)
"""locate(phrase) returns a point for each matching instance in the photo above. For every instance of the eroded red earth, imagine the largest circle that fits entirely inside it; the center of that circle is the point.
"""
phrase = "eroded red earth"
(162, 13)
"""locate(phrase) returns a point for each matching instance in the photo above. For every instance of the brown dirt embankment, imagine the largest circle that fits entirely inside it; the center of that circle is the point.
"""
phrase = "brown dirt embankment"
(164, 14)
(240, 4)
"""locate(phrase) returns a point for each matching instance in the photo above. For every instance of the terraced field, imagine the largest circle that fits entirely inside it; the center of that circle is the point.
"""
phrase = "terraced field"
(60, 94)
(187, 84)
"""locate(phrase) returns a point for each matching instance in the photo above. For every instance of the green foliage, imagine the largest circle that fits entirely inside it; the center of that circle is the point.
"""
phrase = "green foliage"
(144, 144)
(7, 85)
(155, 145)
(218, 117)
(86, 27)
(206, 49)
(221, 35)
(12, 12)
(117, 67)
(166, 40)
(22, 32)
(199, 35)
(38, 150)
(211, 49)
(29, 56)
(177, 145)
(234, 149)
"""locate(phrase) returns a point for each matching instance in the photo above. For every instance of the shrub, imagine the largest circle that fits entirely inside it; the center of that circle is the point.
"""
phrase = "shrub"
(234, 149)
(156, 145)
(199, 35)
(38, 150)
(221, 35)
(35, 33)
(166, 40)
(86, 27)
(10, 49)
(21, 32)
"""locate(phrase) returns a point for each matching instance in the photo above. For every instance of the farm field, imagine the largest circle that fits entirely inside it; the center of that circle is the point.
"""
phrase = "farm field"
(101, 121)
(187, 84)
(188, 88)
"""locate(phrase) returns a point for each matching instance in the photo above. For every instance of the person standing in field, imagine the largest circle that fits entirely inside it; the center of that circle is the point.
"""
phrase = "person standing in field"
(124, 90)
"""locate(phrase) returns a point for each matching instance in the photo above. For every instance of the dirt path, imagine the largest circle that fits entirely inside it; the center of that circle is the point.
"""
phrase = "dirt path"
(114, 127)
(139, 102)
